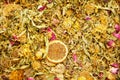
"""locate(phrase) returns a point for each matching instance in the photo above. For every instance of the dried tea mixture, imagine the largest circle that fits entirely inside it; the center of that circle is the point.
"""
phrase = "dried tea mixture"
(85, 37)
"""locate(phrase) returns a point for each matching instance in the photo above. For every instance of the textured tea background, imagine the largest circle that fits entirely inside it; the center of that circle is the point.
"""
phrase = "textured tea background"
(89, 28)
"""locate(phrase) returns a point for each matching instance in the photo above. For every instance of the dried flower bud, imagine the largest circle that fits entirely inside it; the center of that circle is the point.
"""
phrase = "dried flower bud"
(30, 78)
(117, 28)
(115, 65)
(110, 43)
(117, 35)
(114, 70)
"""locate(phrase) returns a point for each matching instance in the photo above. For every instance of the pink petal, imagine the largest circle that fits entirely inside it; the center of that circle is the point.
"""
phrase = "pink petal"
(74, 57)
(117, 35)
(15, 37)
(87, 18)
(50, 1)
(56, 78)
(42, 8)
(30, 78)
(53, 37)
(115, 65)
(55, 21)
(12, 43)
(100, 74)
(117, 28)
(49, 29)
(114, 70)
(111, 43)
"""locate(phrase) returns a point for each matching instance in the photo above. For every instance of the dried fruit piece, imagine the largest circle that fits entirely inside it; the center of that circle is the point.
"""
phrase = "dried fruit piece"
(57, 51)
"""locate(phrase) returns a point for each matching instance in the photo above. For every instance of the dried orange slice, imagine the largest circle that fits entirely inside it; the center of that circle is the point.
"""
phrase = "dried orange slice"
(57, 51)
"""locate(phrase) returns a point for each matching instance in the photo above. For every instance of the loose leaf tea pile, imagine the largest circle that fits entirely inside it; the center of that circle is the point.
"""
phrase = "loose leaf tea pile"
(89, 28)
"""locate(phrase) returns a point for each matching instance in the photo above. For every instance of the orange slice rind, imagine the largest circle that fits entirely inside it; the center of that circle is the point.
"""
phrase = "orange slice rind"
(57, 51)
